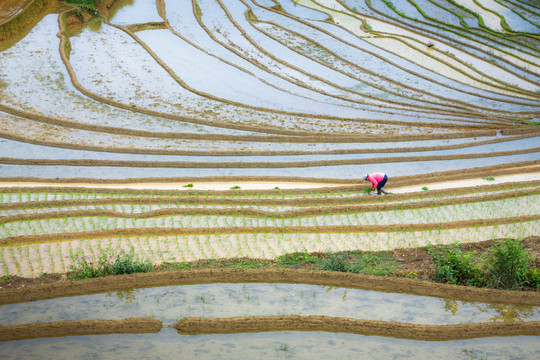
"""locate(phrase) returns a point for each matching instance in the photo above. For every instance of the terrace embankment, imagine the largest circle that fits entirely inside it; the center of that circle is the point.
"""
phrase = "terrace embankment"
(357, 326)
(80, 327)
(234, 275)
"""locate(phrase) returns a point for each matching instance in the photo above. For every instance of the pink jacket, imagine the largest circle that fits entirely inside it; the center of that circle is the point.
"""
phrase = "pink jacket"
(375, 179)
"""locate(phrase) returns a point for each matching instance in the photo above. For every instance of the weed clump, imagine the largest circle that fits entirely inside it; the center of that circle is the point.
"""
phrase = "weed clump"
(336, 262)
(369, 264)
(296, 258)
(511, 267)
(455, 267)
(107, 264)
(508, 266)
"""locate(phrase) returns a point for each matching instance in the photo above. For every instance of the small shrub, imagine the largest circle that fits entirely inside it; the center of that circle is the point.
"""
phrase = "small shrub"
(129, 264)
(425, 188)
(336, 262)
(510, 267)
(188, 185)
(455, 267)
(489, 178)
(235, 187)
(108, 264)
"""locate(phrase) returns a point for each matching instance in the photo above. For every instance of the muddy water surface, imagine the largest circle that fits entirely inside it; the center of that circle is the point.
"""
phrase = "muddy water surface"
(171, 303)
(168, 304)
(271, 345)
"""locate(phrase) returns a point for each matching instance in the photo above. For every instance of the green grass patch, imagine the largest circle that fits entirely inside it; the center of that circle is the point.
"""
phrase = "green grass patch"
(296, 258)
(383, 264)
(108, 263)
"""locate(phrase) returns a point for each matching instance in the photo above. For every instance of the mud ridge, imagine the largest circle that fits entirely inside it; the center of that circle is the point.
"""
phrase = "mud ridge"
(192, 325)
(285, 229)
(228, 275)
(79, 327)
(210, 197)
(288, 214)
(185, 195)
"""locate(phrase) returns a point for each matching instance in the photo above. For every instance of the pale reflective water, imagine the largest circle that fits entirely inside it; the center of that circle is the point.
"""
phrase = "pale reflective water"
(171, 303)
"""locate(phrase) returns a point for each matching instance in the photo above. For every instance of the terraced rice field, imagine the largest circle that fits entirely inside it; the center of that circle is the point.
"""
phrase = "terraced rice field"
(174, 92)
(44, 230)
(207, 129)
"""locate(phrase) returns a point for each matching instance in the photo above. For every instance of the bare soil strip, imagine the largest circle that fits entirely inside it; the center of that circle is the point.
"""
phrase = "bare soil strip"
(290, 214)
(79, 327)
(233, 275)
(343, 229)
(357, 326)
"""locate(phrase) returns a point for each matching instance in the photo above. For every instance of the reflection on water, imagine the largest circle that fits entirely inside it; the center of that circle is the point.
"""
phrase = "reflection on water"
(171, 303)
(167, 344)
(501, 312)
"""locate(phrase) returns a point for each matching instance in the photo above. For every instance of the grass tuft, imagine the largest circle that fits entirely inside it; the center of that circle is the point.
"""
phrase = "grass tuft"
(108, 263)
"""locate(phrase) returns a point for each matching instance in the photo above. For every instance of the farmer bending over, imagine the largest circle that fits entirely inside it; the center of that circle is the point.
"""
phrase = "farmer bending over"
(377, 180)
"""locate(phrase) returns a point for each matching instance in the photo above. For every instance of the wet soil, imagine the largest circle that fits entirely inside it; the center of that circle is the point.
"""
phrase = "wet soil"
(357, 326)
(80, 327)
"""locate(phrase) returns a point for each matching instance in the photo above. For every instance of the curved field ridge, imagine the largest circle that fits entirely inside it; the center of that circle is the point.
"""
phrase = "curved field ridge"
(357, 326)
(207, 276)
(79, 327)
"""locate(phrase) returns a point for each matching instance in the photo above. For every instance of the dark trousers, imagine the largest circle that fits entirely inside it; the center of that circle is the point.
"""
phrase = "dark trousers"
(382, 183)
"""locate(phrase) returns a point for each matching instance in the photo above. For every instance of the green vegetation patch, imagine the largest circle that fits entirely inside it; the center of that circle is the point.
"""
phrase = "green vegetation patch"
(108, 263)
(507, 265)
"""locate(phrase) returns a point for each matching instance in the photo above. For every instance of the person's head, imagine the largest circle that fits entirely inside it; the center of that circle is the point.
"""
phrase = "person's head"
(365, 177)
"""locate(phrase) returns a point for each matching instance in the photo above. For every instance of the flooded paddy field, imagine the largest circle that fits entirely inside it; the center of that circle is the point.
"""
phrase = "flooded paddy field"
(229, 300)
(219, 130)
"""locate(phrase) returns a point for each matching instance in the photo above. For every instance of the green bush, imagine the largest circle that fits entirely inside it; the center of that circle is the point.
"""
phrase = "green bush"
(129, 264)
(511, 267)
(455, 267)
(107, 264)
(336, 262)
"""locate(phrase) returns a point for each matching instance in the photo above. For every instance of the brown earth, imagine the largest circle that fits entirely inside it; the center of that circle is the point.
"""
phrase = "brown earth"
(356, 326)
(80, 327)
